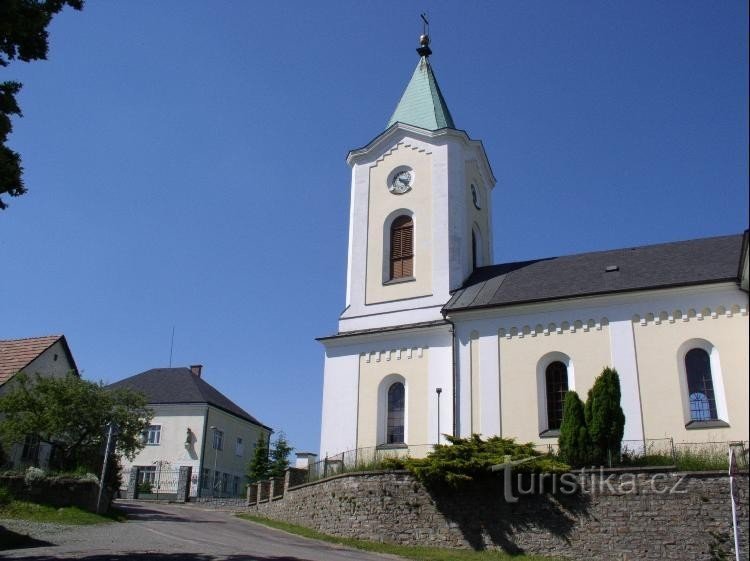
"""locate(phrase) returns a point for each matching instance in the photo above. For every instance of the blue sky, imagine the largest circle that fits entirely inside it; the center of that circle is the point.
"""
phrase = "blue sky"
(185, 163)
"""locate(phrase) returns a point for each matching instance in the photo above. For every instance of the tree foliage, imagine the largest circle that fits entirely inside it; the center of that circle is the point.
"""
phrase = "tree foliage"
(71, 415)
(470, 459)
(23, 36)
(259, 466)
(280, 456)
(605, 419)
(575, 445)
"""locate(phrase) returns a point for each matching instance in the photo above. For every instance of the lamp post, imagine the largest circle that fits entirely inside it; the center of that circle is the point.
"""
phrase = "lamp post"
(216, 453)
(438, 391)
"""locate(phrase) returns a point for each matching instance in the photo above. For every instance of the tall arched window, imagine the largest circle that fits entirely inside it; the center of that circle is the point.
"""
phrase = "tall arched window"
(556, 378)
(700, 386)
(402, 247)
(473, 250)
(395, 414)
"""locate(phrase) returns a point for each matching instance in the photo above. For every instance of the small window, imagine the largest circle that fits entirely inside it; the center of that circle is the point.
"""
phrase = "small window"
(556, 377)
(236, 486)
(402, 248)
(224, 483)
(152, 435)
(239, 447)
(206, 478)
(147, 475)
(700, 386)
(395, 416)
(218, 440)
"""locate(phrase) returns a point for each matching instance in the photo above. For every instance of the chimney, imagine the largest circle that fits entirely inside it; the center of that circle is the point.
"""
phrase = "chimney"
(196, 369)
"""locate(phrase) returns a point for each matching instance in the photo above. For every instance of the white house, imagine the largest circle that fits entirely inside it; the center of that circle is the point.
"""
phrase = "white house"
(435, 339)
(194, 425)
(47, 356)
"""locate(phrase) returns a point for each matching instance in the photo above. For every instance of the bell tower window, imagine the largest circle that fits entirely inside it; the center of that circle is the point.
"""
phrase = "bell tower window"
(402, 248)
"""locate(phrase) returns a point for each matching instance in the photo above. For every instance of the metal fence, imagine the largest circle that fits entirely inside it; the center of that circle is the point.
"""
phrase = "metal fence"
(647, 452)
(364, 459)
(665, 451)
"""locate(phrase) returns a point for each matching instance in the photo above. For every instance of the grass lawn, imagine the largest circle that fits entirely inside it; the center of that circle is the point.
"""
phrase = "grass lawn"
(409, 552)
(22, 510)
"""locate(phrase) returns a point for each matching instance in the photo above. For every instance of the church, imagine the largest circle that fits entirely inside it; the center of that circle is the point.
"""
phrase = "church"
(435, 339)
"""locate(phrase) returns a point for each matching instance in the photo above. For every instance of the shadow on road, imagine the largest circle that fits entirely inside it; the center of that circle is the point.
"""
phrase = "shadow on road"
(145, 514)
(13, 540)
(135, 556)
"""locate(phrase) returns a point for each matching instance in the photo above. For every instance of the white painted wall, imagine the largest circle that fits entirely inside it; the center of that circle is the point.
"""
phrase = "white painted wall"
(338, 431)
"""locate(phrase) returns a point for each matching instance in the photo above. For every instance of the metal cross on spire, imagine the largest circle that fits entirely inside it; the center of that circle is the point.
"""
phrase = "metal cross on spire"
(424, 40)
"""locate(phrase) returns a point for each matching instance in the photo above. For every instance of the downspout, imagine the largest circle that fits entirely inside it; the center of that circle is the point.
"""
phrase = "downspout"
(203, 453)
(454, 372)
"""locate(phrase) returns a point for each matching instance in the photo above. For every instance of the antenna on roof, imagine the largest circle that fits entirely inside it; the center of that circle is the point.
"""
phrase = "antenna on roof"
(171, 348)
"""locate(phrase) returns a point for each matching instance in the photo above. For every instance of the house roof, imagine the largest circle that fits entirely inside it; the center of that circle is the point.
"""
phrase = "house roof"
(422, 103)
(17, 354)
(683, 263)
(181, 385)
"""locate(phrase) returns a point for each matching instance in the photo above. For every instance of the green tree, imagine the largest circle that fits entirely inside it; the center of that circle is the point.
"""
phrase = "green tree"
(71, 415)
(23, 36)
(605, 419)
(259, 466)
(575, 446)
(280, 456)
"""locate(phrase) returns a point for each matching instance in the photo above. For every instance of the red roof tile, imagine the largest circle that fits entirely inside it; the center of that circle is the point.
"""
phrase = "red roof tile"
(16, 354)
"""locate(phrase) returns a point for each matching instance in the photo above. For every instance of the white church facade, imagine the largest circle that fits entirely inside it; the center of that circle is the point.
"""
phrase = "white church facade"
(435, 340)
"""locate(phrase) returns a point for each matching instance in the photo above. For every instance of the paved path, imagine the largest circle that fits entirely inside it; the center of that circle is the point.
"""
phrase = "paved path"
(161, 532)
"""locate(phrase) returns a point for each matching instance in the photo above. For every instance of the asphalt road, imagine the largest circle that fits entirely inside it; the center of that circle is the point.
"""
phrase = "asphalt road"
(161, 532)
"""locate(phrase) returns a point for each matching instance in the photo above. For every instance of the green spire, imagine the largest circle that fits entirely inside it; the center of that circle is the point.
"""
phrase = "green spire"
(422, 104)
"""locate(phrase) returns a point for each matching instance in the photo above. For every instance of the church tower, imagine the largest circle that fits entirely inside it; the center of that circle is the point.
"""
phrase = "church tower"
(420, 211)
(419, 225)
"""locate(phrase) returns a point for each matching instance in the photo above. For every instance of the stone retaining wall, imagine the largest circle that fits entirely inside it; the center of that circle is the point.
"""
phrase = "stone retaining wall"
(614, 516)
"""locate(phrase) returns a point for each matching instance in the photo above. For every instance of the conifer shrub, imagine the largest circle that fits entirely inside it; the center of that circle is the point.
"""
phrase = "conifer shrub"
(605, 419)
(575, 445)
(470, 459)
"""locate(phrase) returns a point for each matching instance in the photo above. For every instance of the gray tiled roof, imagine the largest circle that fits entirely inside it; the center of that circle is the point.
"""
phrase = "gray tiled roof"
(665, 265)
(180, 385)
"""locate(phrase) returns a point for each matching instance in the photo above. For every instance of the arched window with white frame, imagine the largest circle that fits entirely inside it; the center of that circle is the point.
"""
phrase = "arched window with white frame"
(554, 379)
(704, 402)
(393, 415)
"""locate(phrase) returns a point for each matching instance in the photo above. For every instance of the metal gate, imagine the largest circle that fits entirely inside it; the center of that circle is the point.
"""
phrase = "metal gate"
(151, 483)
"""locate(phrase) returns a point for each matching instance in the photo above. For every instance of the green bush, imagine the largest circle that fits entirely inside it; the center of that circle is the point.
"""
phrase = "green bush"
(470, 459)
(5, 496)
(145, 487)
(605, 420)
(575, 445)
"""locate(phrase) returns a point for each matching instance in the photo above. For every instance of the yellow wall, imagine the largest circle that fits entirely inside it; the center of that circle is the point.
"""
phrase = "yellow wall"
(659, 368)
(589, 352)
(414, 370)
(382, 203)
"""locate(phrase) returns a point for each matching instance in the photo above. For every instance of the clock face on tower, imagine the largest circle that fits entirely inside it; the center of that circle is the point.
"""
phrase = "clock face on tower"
(401, 182)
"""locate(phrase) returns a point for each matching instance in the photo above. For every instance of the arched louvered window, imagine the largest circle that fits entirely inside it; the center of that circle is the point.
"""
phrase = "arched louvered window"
(700, 386)
(556, 377)
(402, 247)
(395, 414)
